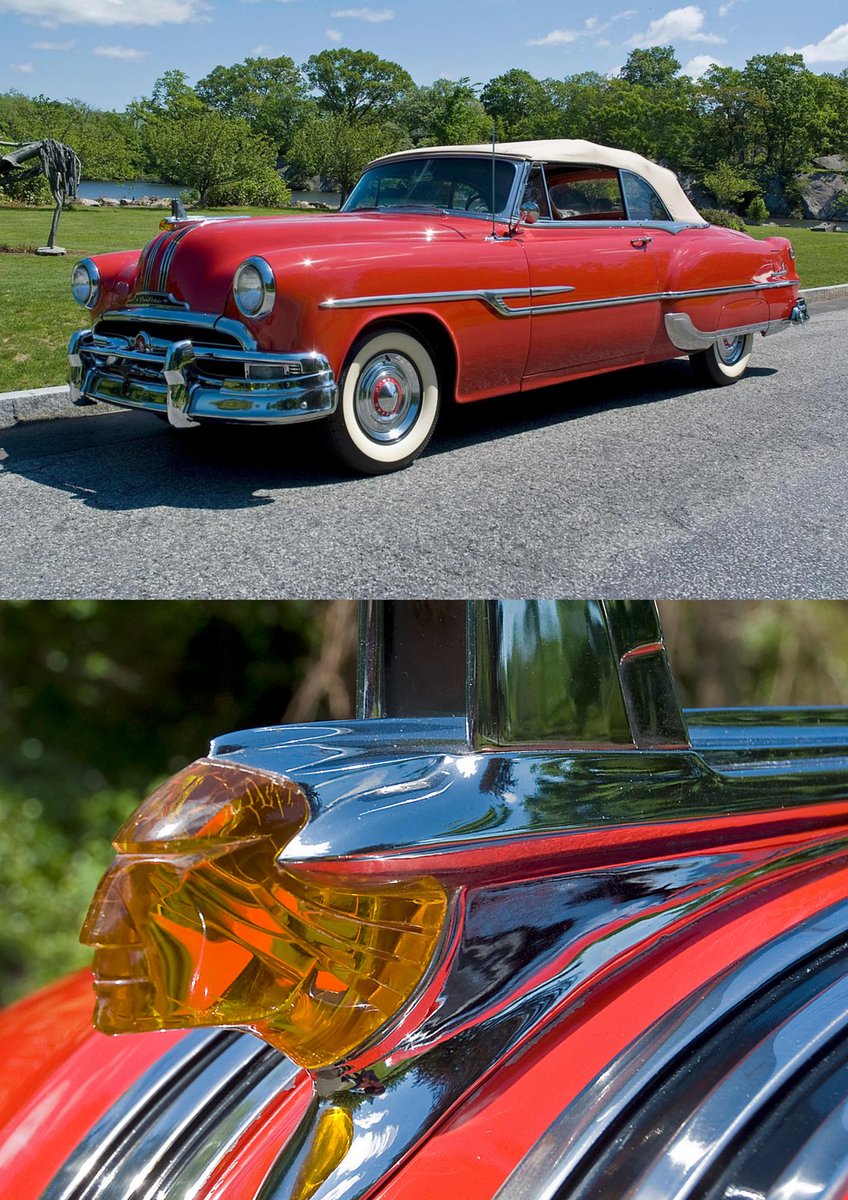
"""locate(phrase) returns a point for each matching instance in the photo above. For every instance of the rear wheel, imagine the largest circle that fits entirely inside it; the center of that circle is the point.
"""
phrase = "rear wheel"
(389, 397)
(725, 361)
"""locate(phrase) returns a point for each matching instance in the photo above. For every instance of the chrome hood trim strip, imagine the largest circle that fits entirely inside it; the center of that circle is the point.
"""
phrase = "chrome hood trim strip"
(165, 1136)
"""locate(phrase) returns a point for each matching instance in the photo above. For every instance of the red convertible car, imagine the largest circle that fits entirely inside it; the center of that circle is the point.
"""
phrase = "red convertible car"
(451, 273)
(524, 930)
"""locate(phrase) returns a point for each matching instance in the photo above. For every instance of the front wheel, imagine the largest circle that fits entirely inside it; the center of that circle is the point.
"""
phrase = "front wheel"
(388, 403)
(725, 361)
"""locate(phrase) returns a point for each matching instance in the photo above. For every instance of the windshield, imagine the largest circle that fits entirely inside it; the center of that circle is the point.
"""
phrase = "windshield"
(444, 182)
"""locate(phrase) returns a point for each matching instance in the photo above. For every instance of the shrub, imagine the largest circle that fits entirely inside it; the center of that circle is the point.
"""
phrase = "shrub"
(757, 212)
(839, 206)
(720, 216)
(35, 191)
(263, 189)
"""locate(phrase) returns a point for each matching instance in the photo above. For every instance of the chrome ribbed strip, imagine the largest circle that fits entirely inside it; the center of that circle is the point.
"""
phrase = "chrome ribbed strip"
(573, 1137)
(164, 1137)
(820, 1169)
(684, 1160)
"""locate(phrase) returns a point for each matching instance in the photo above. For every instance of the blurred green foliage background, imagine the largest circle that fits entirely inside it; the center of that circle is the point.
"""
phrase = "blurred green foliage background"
(99, 700)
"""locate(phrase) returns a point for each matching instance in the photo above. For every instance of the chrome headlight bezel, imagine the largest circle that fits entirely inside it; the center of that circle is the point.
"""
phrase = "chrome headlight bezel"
(266, 290)
(86, 293)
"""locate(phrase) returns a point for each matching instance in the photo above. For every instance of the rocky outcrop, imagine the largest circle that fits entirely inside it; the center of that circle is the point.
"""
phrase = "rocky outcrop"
(820, 190)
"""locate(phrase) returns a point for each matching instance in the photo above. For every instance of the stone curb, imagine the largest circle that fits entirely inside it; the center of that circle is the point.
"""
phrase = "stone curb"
(40, 404)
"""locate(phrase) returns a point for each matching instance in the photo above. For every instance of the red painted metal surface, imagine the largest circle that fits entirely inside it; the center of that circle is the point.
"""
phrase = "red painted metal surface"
(59, 1078)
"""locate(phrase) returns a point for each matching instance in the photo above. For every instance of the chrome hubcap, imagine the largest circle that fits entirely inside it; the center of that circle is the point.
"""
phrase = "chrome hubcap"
(730, 349)
(388, 397)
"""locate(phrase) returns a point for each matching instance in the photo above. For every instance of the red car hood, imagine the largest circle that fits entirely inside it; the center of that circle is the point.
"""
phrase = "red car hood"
(197, 262)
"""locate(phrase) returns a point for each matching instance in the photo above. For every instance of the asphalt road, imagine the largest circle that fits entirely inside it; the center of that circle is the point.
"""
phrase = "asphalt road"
(638, 483)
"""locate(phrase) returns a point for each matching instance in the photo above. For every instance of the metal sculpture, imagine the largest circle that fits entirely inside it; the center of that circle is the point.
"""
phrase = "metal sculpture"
(60, 166)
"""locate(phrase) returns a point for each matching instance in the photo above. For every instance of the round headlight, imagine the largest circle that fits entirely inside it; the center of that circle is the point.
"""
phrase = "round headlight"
(85, 283)
(254, 288)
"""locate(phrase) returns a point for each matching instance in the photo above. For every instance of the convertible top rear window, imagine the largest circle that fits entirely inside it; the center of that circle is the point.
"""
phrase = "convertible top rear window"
(442, 182)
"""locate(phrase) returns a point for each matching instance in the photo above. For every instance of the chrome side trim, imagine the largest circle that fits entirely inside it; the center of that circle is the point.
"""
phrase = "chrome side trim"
(571, 1137)
(495, 299)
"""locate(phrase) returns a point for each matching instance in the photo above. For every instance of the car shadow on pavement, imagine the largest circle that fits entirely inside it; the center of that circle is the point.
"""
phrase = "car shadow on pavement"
(122, 461)
(522, 412)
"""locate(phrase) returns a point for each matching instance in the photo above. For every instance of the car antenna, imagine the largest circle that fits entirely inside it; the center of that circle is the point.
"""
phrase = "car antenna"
(494, 231)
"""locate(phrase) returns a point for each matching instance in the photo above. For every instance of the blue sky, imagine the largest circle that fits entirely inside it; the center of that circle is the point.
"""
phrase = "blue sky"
(106, 52)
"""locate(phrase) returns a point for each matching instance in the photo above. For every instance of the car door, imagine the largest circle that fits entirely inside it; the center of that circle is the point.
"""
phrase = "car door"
(606, 311)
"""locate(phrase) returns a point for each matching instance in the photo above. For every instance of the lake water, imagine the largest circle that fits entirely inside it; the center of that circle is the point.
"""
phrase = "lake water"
(92, 189)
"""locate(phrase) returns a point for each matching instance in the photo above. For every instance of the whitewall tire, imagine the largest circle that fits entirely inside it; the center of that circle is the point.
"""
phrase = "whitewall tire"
(389, 397)
(725, 361)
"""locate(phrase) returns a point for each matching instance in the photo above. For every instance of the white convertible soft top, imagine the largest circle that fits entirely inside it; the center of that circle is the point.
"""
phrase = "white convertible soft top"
(563, 150)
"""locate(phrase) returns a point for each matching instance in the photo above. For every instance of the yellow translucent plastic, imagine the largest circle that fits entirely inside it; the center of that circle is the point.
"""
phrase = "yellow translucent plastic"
(196, 924)
(330, 1143)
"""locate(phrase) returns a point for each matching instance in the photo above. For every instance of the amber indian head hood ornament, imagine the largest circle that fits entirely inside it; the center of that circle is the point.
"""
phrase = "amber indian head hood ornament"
(195, 924)
(307, 883)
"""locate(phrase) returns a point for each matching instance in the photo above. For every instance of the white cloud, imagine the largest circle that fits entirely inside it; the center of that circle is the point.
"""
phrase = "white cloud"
(724, 9)
(106, 12)
(603, 43)
(62, 47)
(333, 35)
(122, 52)
(260, 51)
(375, 15)
(831, 49)
(677, 25)
(557, 37)
(623, 16)
(590, 22)
(698, 65)
(23, 68)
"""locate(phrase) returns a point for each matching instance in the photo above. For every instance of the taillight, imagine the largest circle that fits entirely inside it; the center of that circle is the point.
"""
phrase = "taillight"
(196, 924)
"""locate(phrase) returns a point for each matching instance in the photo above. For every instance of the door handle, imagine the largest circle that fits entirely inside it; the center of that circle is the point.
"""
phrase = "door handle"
(641, 242)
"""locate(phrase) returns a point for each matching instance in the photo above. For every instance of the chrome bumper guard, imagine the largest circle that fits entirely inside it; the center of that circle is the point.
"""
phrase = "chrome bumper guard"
(190, 383)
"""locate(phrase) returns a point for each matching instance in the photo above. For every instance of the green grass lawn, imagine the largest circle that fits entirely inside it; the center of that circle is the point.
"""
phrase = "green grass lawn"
(37, 314)
(822, 257)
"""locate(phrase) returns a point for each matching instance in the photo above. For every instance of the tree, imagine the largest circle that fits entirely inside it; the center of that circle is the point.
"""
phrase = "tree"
(337, 148)
(788, 111)
(268, 93)
(653, 67)
(445, 113)
(356, 84)
(522, 106)
(218, 157)
(728, 186)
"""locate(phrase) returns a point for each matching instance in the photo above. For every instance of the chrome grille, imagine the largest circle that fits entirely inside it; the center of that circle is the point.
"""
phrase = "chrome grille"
(167, 331)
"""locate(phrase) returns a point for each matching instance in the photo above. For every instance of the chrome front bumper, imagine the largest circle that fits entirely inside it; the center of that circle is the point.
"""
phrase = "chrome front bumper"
(190, 382)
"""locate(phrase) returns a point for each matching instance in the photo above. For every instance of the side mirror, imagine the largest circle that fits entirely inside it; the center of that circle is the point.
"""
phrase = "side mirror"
(530, 212)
